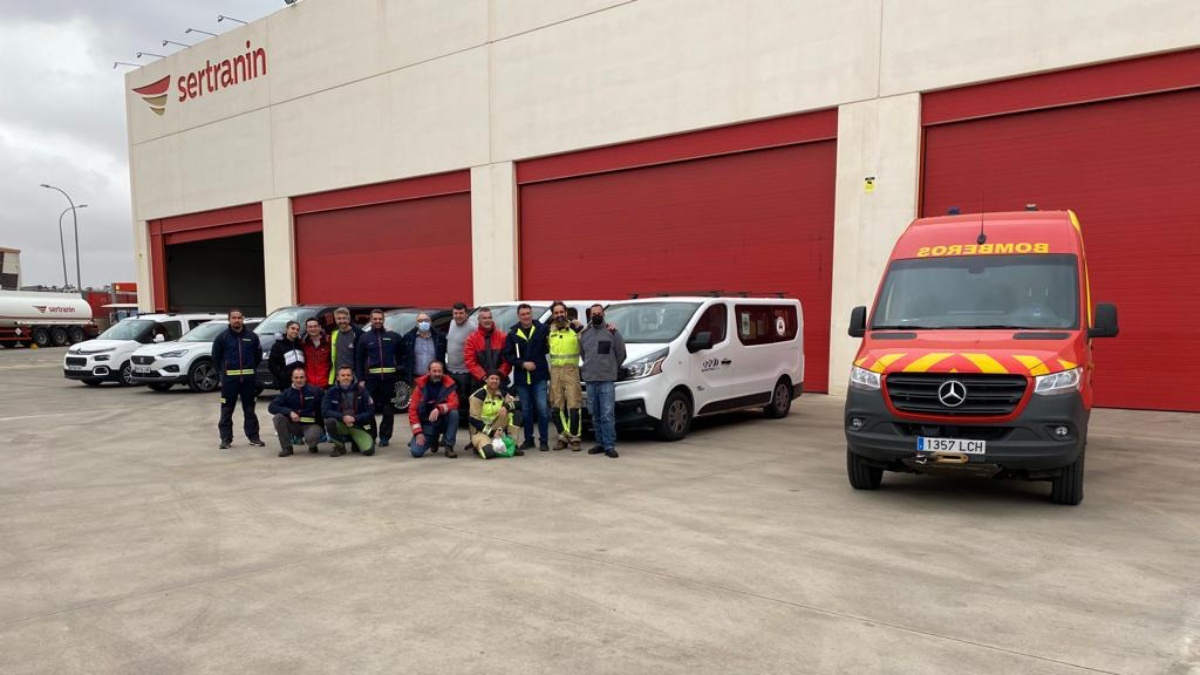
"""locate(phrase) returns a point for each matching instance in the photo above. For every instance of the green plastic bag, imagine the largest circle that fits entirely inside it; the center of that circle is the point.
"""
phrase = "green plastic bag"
(510, 446)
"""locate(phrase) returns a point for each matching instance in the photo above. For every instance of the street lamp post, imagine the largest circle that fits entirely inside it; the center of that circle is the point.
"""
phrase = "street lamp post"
(75, 220)
(62, 243)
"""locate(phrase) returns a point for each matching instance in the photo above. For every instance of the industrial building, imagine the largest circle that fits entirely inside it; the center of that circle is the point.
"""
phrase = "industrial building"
(422, 152)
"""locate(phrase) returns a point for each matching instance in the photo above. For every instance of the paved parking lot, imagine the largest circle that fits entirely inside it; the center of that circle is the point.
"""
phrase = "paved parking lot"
(130, 543)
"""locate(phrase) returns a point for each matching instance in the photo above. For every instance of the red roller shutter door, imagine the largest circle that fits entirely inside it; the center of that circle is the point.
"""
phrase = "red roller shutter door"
(757, 221)
(1128, 167)
(404, 243)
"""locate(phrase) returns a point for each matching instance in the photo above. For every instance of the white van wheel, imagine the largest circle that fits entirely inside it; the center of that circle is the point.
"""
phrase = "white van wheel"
(781, 400)
(676, 417)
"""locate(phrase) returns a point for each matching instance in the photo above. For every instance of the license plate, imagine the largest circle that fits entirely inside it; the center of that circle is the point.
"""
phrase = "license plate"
(73, 367)
(951, 445)
(141, 369)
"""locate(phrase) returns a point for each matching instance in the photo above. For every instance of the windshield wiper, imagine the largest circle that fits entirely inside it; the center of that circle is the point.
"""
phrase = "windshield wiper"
(993, 326)
(907, 326)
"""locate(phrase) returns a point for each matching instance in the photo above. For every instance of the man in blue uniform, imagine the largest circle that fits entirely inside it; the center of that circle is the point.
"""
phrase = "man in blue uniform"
(237, 352)
(377, 355)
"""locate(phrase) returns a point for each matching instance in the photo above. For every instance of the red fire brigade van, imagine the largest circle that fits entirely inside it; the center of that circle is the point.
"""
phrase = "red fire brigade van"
(977, 356)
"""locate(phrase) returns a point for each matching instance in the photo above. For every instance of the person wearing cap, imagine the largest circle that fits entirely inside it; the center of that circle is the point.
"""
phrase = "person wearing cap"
(297, 413)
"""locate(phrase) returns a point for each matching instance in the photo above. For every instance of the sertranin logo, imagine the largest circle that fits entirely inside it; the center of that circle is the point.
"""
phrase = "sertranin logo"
(212, 78)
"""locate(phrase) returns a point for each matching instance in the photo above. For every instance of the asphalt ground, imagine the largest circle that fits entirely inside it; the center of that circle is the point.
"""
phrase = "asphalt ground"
(129, 543)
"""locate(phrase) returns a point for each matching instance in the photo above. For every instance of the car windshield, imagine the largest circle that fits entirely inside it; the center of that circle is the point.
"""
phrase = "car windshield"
(650, 322)
(277, 322)
(978, 292)
(205, 332)
(506, 315)
(129, 329)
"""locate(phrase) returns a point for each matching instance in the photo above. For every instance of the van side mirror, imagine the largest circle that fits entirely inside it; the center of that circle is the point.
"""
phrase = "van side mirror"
(858, 322)
(160, 338)
(700, 341)
(1104, 325)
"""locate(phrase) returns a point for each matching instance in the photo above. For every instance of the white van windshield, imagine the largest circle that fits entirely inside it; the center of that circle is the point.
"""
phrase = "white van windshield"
(978, 292)
(650, 322)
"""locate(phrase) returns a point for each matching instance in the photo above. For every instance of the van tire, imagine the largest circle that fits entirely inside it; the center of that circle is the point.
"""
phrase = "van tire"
(58, 336)
(781, 400)
(676, 418)
(1067, 487)
(862, 475)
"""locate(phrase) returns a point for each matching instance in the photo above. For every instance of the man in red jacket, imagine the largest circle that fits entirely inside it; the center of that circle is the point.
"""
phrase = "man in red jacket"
(317, 360)
(433, 411)
(484, 351)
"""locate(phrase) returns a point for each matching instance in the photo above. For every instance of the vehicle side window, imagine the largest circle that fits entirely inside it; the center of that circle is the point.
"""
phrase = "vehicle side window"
(173, 330)
(195, 322)
(766, 324)
(714, 320)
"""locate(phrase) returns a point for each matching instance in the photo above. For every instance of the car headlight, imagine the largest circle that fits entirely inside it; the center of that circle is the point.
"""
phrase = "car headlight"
(650, 364)
(863, 379)
(1064, 382)
(172, 354)
(102, 358)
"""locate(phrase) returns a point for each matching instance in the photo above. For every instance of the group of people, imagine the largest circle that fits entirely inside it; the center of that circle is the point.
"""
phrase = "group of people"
(333, 386)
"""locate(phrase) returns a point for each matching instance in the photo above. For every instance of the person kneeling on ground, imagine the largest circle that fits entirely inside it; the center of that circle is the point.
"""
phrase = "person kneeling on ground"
(491, 420)
(349, 415)
(433, 411)
(296, 410)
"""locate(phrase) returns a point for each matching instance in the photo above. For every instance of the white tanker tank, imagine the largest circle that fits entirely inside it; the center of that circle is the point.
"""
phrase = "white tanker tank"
(44, 319)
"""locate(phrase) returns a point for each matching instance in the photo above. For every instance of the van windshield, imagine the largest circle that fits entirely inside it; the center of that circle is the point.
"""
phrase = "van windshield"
(980, 292)
(650, 322)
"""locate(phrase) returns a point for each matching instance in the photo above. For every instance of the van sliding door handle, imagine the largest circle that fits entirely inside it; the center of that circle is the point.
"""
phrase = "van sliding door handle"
(725, 362)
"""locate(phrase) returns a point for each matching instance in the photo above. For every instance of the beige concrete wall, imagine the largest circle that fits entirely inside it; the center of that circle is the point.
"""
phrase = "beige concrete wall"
(367, 91)
(279, 253)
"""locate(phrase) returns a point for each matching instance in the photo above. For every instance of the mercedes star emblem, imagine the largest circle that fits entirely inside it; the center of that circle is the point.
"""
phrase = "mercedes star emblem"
(952, 393)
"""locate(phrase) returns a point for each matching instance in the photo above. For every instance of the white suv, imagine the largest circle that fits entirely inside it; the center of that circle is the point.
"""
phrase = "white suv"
(692, 356)
(107, 358)
(186, 361)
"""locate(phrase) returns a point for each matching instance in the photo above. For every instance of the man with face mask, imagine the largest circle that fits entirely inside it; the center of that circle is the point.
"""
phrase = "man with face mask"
(378, 354)
(422, 346)
(566, 396)
(603, 351)
(287, 355)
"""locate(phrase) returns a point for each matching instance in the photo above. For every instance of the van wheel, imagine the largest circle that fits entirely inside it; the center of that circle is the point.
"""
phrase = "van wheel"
(41, 337)
(676, 418)
(58, 335)
(161, 386)
(1067, 488)
(202, 377)
(862, 475)
(781, 400)
(125, 378)
(75, 334)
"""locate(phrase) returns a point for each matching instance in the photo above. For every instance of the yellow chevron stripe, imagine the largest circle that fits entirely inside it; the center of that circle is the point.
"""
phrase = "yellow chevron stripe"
(926, 362)
(1033, 363)
(985, 363)
(860, 362)
(885, 361)
(1067, 365)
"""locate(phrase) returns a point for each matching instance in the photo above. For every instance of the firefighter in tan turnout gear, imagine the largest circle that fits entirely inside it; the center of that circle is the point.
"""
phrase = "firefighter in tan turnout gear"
(566, 394)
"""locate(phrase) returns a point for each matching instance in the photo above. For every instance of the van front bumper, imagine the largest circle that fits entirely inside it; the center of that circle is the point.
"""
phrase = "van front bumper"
(1026, 445)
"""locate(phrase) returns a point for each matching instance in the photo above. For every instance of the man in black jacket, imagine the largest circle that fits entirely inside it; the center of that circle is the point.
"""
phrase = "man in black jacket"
(525, 349)
(297, 411)
(237, 352)
(378, 354)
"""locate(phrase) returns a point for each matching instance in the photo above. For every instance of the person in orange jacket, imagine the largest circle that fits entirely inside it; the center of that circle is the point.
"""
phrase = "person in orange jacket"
(433, 412)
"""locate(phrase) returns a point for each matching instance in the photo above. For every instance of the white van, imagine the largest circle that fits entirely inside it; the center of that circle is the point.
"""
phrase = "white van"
(107, 358)
(693, 356)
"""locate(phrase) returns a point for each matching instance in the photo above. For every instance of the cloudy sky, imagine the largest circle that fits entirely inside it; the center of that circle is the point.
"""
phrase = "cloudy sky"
(62, 121)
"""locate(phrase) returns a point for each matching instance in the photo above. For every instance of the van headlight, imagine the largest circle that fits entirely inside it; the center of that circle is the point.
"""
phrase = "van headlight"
(863, 379)
(650, 364)
(1065, 382)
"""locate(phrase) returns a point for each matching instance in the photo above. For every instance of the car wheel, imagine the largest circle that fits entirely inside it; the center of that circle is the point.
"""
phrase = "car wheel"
(125, 377)
(58, 336)
(202, 377)
(160, 386)
(676, 417)
(92, 383)
(41, 337)
(75, 334)
(862, 476)
(1067, 488)
(781, 400)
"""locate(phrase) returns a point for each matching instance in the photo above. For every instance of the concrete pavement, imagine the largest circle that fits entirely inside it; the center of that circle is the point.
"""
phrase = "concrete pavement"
(131, 544)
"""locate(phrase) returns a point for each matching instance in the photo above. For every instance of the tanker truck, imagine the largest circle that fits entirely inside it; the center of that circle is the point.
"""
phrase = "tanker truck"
(44, 319)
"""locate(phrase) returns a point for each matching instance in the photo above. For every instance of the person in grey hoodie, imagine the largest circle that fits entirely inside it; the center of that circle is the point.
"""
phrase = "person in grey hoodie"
(603, 351)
